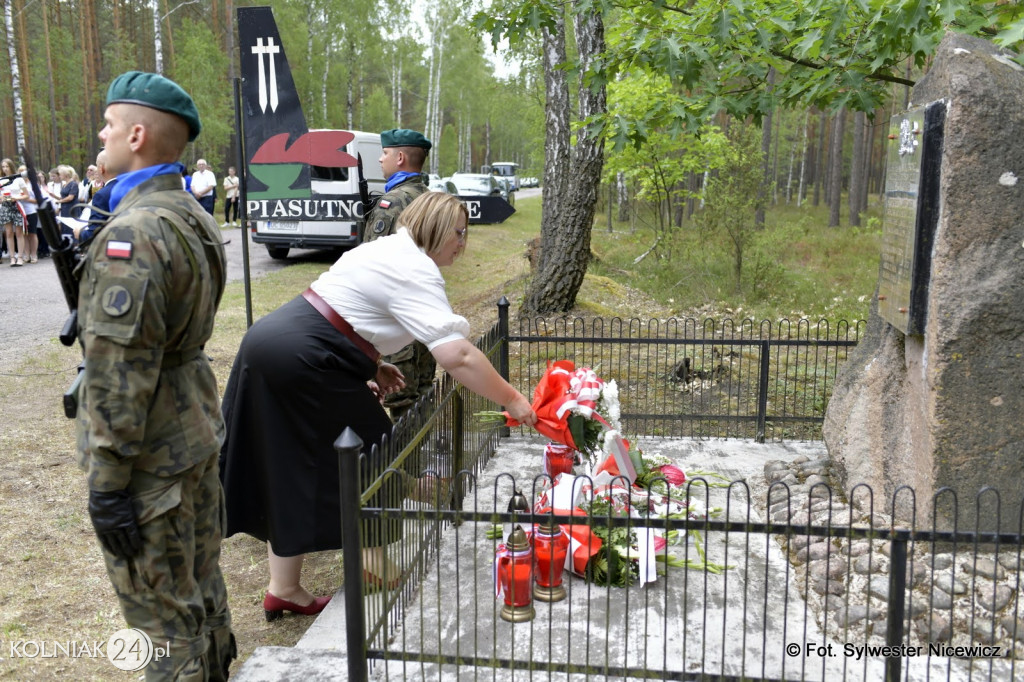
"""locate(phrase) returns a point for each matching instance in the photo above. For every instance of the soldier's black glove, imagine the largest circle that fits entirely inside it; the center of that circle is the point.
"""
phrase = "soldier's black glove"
(114, 520)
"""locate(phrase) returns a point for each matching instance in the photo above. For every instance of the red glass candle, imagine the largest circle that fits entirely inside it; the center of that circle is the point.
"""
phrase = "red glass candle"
(550, 546)
(514, 574)
(558, 459)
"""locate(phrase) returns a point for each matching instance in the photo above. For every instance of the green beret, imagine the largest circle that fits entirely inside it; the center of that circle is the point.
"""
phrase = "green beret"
(403, 137)
(154, 91)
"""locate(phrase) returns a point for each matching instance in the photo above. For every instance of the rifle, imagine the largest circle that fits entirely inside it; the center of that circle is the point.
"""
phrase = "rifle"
(364, 194)
(65, 258)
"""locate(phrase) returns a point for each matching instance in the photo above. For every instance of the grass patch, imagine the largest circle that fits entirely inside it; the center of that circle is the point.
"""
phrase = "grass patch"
(796, 267)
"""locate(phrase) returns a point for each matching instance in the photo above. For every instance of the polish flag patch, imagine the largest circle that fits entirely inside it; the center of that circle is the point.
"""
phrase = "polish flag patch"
(385, 204)
(117, 249)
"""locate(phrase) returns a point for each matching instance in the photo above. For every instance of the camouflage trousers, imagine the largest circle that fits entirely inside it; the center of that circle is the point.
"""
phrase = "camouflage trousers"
(419, 368)
(173, 590)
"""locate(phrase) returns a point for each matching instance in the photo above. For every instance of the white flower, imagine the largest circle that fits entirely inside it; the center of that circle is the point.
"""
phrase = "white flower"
(608, 406)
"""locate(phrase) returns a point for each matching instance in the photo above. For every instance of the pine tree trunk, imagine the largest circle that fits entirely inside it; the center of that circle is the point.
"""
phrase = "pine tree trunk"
(55, 151)
(857, 169)
(819, 159)
(835, 157)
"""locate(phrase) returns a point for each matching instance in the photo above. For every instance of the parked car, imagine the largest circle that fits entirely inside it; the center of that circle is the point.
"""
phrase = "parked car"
(508, 190)
(439, 184)
(476, 184)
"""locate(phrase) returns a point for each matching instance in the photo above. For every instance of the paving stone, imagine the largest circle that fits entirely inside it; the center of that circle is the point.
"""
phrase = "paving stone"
(873, 564)
(994, 597)
(878, 586)
(949, 584)
(940, 599)
(984, 632)
(816, 551)
(816, 480)
(859, 548)
(918, 605)
(831, 587)
(983, 567)
(936, 628)
(1009, 560)
(1014, 627)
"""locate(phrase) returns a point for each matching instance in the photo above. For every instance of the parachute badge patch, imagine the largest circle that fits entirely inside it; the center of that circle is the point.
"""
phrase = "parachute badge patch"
(378, 227)
(116, 300)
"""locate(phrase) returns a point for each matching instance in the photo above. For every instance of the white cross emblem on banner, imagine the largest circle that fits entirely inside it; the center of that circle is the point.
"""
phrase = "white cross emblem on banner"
(270, 50)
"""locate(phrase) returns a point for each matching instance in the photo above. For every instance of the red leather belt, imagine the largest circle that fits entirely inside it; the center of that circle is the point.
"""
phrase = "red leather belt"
(339, 323)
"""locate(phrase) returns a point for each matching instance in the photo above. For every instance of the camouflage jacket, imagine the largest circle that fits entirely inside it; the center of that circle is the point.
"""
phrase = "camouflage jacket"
(151, 281)
(383, 219)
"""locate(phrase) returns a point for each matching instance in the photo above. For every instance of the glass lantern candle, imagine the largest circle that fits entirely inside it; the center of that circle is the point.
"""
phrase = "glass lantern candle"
(514, 576)
(558, 459)
(550, 547)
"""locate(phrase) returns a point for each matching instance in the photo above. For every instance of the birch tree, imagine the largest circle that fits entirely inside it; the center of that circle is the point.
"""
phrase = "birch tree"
(12, 56)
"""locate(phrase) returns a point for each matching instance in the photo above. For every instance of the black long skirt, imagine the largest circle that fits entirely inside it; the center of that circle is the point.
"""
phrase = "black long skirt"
(297, 382)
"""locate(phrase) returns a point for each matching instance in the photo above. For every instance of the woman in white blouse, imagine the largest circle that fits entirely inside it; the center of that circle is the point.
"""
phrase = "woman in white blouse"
(312, 367)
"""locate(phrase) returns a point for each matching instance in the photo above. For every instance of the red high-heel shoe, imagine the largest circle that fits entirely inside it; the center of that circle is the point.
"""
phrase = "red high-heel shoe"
(274, 608)
(375, 582)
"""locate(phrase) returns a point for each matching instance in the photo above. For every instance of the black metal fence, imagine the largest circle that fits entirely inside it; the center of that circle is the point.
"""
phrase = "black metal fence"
(818, 586)
(694, 378)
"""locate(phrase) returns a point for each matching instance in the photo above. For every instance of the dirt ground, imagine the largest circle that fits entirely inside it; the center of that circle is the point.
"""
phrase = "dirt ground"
(53, 586)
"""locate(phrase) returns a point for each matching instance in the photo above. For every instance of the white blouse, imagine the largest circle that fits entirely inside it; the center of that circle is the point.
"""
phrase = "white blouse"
(391, 292)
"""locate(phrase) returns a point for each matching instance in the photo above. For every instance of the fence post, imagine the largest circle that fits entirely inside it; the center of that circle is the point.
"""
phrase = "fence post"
(897, 605)
(762, 392)
(348, 446)
(458, 449)
(503, 306)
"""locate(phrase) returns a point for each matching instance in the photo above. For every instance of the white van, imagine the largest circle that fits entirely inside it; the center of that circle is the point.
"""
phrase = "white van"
(331, 217)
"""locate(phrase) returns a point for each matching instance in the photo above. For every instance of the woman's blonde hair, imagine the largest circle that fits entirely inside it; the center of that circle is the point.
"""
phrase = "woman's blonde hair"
(432, 219)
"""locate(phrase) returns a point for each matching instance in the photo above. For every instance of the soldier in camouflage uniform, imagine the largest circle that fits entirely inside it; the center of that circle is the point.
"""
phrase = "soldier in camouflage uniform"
(149, 421)
(403, 154)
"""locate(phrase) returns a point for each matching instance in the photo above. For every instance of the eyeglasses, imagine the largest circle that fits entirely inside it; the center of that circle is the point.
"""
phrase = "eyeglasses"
(462, 234)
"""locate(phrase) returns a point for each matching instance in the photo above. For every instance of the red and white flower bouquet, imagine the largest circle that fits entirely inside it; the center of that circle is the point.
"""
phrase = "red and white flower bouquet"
(577, 408)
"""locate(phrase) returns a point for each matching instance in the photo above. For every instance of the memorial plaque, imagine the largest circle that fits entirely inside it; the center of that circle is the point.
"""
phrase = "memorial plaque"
(911, 213)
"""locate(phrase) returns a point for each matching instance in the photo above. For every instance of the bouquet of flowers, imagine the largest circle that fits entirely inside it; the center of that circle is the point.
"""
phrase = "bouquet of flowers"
(577, 408)
(623, 555)
(574, 407)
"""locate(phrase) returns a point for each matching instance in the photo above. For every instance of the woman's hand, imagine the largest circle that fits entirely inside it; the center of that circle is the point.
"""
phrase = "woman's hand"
(389, 378)
(521, 410)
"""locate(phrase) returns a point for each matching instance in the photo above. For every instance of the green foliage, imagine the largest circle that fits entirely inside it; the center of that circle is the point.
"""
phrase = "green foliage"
(797, 266)
(733, 193)
(718, 56)
(198, 69)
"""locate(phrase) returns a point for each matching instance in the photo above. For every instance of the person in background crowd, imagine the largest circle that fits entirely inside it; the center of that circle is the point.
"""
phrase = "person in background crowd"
(149, 424)
(230, 198)
(99, 208)
(29, 207)
(10, 216)
(85, 185)
(402, 157)
(95, 181)
(204, 185)
(68, 190)
(52, 192)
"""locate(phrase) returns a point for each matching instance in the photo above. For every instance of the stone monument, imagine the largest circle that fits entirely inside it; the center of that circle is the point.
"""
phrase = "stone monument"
(933, 395)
